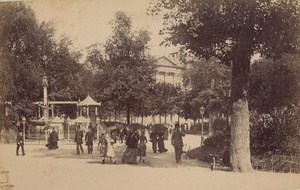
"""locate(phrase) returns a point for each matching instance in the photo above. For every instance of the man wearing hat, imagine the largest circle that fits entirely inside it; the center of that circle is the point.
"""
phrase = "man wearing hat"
(20, 143)
(177, 142)
(78, 139)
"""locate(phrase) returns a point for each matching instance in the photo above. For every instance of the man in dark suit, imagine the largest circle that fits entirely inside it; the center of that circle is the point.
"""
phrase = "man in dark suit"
(20, 143)
(177, 142)
(78, 139)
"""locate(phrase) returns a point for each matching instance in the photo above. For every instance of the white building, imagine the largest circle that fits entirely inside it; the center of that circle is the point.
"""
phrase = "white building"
(168, 71)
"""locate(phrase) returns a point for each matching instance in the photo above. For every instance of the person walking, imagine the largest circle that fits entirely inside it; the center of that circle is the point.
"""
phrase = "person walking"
(131, 152)
(177, 142)
(52, 140)
(102, 147)
(20, 143)
(161, 143)
(110, 148)
(153, 140)
(142, 147)
(78, 140)
(89, 139)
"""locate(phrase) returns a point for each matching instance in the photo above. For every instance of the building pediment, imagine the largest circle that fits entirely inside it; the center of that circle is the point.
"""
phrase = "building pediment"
(166, 62)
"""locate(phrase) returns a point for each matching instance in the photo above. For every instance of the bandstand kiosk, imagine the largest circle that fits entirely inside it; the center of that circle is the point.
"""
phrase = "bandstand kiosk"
(87, 109)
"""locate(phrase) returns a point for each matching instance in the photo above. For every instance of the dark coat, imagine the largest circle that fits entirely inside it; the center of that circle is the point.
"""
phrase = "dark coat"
(89, 138)
(79, 136)
(132, 140)
(19, 140)
(176, 138)
(53, 138)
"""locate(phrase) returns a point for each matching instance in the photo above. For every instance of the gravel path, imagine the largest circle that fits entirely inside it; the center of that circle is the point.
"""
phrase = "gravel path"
(62, 169)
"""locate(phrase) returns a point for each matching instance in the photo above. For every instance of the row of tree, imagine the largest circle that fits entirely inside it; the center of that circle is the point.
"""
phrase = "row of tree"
(223, 35)
(233, 31)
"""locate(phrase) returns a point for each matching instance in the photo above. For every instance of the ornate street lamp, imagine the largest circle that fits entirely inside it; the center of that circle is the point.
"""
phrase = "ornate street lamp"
(227, 96)
(24, 123)
(202, 122)
(45, 86)
(68, 123)
(202, 119)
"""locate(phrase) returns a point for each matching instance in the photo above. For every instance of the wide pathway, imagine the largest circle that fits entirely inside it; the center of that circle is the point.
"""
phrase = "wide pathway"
(62, 169)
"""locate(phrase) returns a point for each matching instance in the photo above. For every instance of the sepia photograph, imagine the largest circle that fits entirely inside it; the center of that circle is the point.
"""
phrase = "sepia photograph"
(149, 94)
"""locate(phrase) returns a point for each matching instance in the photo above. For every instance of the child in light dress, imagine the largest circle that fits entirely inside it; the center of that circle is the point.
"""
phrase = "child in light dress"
(110, 149)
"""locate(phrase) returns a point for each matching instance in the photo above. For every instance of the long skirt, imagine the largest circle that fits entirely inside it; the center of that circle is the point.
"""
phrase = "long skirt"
(52, 146)
(110, 151)
(142, 150)
(130, 156)
(103, 151)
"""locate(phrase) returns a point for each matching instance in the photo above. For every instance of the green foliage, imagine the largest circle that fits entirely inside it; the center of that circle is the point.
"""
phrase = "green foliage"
(124, 78)
(275, 85)
(27, 51)
(164, 98)
(275, 131)
(205, 80)
(219, 124)
(269, 27)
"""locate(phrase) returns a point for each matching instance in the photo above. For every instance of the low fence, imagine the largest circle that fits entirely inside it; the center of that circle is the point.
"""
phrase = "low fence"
(276, 163)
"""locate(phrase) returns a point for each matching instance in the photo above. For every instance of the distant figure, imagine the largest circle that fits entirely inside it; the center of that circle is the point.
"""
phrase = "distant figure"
(20, 143)
(110, 148)
(52, 140)
(153, 140)
(142, 147)
(102, 147)
(89, 139)
(131, 152)
(123, 134)
(161, 143)
(78, 139)
(177, 142)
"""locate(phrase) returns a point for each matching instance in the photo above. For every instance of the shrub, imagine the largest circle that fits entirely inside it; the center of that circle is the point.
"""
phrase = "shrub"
(219, 124)
(273, 132)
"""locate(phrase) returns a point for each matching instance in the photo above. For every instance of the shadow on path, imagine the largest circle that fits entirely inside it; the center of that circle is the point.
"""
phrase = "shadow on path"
(154, 160)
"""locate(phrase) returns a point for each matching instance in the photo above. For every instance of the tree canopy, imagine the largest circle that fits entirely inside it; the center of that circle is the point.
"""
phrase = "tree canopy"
(233, 31)
(275, 85)
(126, 73)
(28, 50)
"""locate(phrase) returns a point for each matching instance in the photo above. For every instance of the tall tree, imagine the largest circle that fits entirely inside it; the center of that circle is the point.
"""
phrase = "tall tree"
(233, 31)
(127, 74)
(28, 50)
(164, 99)
(204, 80)
(266, 95)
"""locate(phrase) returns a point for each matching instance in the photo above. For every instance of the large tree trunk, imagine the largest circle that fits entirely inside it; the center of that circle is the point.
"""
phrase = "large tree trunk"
(240, 130)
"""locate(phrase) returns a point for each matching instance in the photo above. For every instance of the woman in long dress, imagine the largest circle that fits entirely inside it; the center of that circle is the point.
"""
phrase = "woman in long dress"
(131, 152)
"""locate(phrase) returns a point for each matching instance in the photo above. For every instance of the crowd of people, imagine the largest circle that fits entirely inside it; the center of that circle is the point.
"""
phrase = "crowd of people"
(135, 140)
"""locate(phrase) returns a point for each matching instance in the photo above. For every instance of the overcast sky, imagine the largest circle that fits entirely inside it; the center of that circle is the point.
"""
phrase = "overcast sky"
(87, 22)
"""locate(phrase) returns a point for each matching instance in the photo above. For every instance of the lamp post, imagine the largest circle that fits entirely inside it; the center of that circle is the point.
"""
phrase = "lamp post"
(227, 96)
(202, 119)
(98, 126)
(45, 85)
(24, 123)
(68, 123)
(202, 122)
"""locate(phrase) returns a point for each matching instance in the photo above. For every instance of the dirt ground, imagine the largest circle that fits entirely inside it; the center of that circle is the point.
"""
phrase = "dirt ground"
(62, 169)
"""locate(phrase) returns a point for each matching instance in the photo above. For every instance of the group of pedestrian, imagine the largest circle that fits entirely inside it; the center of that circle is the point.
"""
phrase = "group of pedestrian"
(157, 140)
(135, 141)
